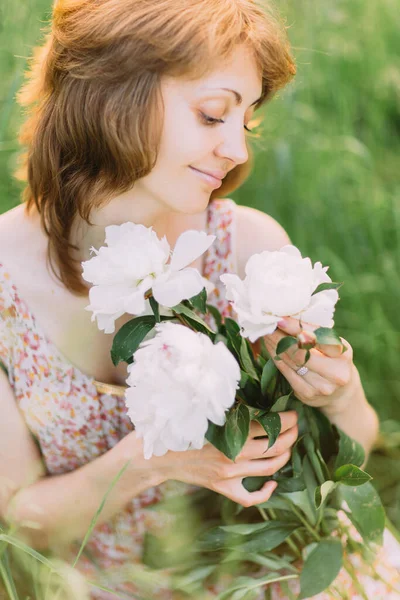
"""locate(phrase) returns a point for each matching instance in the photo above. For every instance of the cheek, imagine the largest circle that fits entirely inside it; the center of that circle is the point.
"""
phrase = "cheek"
(185, 141)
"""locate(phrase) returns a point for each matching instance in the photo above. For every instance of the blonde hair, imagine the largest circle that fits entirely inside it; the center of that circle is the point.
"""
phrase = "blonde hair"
(94, 101)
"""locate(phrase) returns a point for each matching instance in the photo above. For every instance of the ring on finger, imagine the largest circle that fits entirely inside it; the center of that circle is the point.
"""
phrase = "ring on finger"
(302, 371)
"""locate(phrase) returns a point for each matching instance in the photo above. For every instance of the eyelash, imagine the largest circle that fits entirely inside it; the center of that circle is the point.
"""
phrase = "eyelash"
(211, 121)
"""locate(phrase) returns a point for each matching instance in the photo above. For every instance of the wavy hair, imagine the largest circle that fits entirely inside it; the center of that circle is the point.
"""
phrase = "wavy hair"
(94, 106)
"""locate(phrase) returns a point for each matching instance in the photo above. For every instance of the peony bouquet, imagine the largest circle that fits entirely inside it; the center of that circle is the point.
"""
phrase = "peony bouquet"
(205, 378)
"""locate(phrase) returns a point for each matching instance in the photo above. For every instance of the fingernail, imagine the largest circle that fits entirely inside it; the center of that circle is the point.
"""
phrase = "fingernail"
(307, 340)
(273, 486)
(282, 323)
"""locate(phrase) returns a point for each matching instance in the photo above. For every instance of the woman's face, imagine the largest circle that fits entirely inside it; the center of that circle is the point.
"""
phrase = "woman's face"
(203, 132)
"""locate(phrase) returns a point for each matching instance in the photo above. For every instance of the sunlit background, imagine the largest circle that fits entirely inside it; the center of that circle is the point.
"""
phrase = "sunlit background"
(327, 168)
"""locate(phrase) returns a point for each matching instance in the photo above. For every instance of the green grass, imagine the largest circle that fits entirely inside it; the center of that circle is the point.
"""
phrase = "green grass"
(326, 169)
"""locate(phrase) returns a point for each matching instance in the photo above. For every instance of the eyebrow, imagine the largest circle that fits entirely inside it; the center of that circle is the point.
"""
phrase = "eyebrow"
(239, 98)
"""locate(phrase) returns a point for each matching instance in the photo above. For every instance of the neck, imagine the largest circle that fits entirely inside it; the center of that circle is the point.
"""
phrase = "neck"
(119, 210)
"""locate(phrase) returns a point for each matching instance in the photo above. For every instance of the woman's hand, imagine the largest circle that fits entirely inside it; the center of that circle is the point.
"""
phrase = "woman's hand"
(331, 375)
(211, 469)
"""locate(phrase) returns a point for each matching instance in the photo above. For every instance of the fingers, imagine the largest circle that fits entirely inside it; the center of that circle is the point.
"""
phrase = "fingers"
(235, 491)
(257, 448)
(288, 420)
(262, 467)
(335, 369)
(263, 495)
(290, 326)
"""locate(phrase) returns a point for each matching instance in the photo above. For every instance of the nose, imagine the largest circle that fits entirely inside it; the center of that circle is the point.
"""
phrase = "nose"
(234, 146)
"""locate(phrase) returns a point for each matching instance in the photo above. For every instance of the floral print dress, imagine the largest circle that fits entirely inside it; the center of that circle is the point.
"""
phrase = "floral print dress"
(75, 420)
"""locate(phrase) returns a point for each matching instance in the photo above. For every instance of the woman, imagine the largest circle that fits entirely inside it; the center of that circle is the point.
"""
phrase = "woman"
(138, 111)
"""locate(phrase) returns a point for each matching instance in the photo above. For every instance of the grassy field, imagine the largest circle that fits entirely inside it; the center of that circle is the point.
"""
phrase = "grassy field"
(326, 169)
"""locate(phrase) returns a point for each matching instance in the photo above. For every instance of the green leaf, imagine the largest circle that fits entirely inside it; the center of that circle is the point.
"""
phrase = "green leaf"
(273, 535)
(351, 475)
(246, 360)
(129, 338)
(244, 379)
(250, 583)
(191, 316)
(280, 405)
(289, 485)
(321, 568)
(327, 434)
(155, 307)
(215, 539)
(269, 560)
(233, 335)
(200, 301)
(214, 312)
(302, 501)
(253, 484)
(189, 582)
(285, 343)
(269, 372)
(350, 451)
(261, 362)
(231, 437)
(326, 286)
(264, 352)
(245, 594)
(309, 479)
(367, 512)
(243, 528)
(327, 336)
(250, 392)
(272, 425)
(312, 454)
(322, 492)
(297, 467)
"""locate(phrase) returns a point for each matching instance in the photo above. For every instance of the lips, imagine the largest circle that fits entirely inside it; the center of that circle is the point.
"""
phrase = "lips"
(217, 174)
(213, 178)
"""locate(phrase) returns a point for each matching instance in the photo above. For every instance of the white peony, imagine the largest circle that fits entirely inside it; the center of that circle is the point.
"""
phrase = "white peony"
(280, 284)
(134, 261)
(178, 382)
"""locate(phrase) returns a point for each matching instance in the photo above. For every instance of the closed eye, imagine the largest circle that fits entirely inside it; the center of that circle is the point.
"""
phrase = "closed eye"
(212, 121)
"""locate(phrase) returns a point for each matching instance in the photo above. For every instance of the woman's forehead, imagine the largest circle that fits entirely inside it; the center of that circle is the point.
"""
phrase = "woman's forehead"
(239, 77)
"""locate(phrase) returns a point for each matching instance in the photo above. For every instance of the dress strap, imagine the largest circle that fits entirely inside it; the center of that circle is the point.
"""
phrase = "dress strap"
(221, 257)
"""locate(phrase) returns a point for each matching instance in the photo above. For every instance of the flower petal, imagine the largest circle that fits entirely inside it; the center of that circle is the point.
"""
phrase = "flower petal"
(254, 331)
(106, 323)
(232, 284)
(321, 309)
(189, 246)
(291, 250)
(173, 287)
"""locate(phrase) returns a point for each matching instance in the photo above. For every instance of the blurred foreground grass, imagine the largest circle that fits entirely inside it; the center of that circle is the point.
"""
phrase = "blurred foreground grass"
(326, 169)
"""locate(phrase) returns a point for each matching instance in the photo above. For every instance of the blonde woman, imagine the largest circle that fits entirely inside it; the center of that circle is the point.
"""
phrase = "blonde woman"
(138, 110)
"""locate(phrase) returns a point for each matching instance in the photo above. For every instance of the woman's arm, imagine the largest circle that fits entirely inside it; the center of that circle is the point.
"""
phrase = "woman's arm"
(354, 415)
(333, 384)
(51, 511)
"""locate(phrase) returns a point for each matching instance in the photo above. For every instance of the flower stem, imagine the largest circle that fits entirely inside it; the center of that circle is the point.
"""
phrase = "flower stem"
(306, 524)
(351, 571)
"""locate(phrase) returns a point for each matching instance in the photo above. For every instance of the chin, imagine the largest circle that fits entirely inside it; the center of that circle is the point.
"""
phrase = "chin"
(192, 204)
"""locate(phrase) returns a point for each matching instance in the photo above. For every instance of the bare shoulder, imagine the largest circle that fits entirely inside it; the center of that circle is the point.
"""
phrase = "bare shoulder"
(12, 225)
(256, 232)
(20, 237)
(23, 251)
